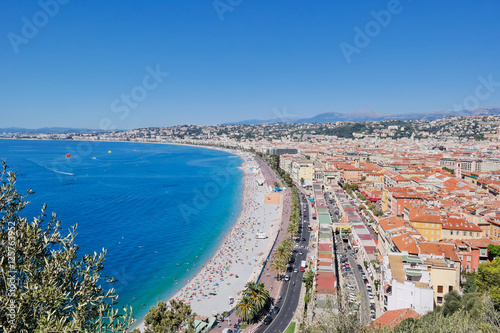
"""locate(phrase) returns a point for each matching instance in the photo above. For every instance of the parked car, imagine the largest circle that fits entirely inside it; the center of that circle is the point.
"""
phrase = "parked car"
(268, 320)
(276, 309)
(287, 277)
(295, 270)
(302, 269)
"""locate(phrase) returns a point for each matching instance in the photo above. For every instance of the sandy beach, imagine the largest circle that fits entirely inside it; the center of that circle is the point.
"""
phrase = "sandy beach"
(241, 254)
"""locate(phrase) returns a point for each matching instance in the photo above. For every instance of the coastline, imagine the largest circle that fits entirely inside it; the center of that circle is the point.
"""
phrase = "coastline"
(246, 267)
(237, 260)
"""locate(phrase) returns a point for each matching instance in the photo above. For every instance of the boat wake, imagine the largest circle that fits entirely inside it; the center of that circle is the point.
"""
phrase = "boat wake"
(56, 171)
(61, 172)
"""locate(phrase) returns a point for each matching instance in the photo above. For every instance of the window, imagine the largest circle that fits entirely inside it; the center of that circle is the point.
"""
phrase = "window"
(432, 232)
(483, 253)
(468, 258)
(471, 233)
(440, 289)
(451, 232)
(461, 257)
(464, 233)
(440, 300)
(445, 232)
(450, 289)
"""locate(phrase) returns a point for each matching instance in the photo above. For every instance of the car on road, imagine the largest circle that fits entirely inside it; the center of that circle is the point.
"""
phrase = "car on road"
(287, 277)
(276, 309)
(303, 239)
(359, 267)
(268, 320)
(295, 270)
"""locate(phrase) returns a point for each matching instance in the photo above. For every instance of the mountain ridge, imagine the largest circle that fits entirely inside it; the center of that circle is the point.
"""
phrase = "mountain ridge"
(370, 115)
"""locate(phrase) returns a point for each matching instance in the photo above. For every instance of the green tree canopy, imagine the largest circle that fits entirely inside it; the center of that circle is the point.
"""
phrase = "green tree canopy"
(494, 250)
(488, 279)
(170, 317)
(45, 285)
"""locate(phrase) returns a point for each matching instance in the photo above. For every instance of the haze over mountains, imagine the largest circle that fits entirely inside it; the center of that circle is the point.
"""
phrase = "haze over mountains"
(327, 117)
(369, 115)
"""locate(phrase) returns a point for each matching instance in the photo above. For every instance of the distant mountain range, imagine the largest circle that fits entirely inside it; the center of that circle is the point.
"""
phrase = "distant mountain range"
(369, 115)
(49, 130)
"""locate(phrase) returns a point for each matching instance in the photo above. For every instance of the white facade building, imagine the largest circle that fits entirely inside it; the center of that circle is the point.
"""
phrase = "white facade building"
(406, 284)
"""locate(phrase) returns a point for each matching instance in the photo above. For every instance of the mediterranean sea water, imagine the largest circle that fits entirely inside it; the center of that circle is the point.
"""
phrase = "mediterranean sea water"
(160, 210)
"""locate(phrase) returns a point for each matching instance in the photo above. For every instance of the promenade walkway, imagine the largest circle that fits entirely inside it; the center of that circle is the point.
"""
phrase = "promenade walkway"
(268, 275)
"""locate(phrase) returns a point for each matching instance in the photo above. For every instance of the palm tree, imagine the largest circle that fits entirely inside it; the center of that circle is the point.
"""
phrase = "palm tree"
(282, 253)
(245, 309)
(258, 294)
(293, 228)
(308, 279)
(288, 244)
(276, 266)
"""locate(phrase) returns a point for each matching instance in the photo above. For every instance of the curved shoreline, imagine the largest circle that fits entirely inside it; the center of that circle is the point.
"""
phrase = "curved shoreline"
(232, 265)
(215, 249)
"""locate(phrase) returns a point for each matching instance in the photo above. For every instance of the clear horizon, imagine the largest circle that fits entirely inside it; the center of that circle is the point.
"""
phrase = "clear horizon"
(128, 65)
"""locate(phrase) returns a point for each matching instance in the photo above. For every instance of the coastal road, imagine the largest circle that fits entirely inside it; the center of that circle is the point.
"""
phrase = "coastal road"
(365, 308)
(268, 275)
(290, 292)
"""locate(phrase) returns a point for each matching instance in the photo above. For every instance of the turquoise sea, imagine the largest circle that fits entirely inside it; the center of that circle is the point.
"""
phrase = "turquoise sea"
(159, 210)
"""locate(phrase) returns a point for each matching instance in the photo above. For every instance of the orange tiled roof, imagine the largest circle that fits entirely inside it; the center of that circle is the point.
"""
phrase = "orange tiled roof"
(448, 250)
(393, 317)
(460, 224)
(405, 242)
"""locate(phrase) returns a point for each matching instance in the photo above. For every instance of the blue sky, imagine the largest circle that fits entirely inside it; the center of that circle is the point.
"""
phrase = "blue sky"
(260, 59)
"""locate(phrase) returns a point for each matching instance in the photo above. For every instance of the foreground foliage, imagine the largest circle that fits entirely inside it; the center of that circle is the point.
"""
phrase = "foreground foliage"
(488, 279)
(170, 318)
(471, 312)
(255, 300)
(44, 285)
